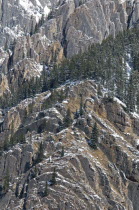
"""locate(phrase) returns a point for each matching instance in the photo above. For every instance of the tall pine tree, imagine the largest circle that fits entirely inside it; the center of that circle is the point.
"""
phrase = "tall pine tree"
(94, 137)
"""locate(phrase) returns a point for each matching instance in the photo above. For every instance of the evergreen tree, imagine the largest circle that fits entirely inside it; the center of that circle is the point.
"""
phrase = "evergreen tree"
(12, 128)
(6, 182)
(53, 180)
(40, 155)
(46, 190)
(12, 141)
(94, 137)
(22, 138)
(131, 95)
(67, 120)
(137, 102)
(81, 105)
(99, 91)
(6, 144)
(106, 63)
(62, 152)
(17, 190)
(76, 114)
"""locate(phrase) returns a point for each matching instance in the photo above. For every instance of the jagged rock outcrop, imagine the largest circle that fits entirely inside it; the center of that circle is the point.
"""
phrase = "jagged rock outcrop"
(46, 31)
(86, 178)
(35, 35)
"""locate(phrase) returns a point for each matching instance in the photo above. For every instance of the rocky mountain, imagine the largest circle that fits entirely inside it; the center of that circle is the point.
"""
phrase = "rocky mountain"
(37, 32)
(106, 178)
(74, 146)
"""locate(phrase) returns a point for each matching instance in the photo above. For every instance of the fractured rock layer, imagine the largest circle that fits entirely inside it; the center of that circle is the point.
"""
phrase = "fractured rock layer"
(106, 178)
(46, 31)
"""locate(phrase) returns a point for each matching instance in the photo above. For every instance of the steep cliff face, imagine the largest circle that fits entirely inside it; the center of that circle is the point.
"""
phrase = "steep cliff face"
(105, 178)
(48, 138)
(92, 20)
(43, 32)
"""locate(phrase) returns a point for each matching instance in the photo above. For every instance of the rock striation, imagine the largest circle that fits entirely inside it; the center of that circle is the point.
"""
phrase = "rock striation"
(106, 178)
(35, 34)
(43, 32)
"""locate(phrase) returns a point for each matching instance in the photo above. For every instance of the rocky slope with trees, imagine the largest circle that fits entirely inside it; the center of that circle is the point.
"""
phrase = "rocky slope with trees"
(70, 148)
(69, 104)
(36, 33)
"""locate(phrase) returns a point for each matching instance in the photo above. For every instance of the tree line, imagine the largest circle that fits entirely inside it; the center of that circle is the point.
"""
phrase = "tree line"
(114, 64)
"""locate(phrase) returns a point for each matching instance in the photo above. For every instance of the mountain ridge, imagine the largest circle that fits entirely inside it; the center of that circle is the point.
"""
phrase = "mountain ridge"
(117, 154)
(68, 140)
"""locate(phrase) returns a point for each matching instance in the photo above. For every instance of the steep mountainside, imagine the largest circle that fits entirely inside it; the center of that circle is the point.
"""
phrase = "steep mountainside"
(106, 178)
(76, 145)
(36, 32)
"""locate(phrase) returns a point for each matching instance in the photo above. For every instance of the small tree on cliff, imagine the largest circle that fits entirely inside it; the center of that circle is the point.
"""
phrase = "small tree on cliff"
(99, 91)
(81, 106)
(53, 180)
(40, 155)
(6, 144)
(46, 190)
(22, 138)
(62, 152)
(94, 137)
(67, 120)
(6, 182)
